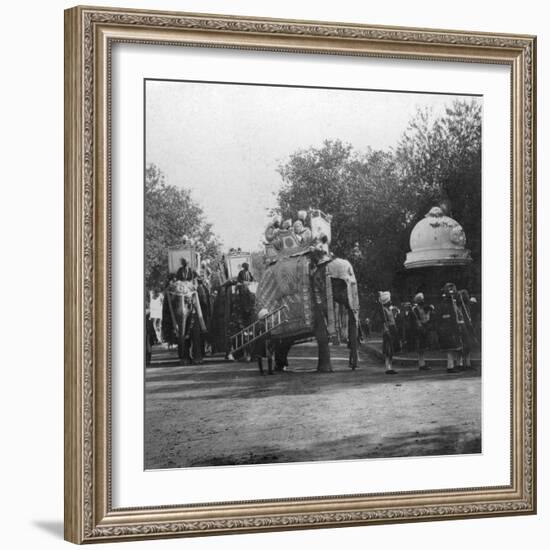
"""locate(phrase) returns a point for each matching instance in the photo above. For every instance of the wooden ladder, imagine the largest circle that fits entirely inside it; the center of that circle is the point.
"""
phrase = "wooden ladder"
(256, 330)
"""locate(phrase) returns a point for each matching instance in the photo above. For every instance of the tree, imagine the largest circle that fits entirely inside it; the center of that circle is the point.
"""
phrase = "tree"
(358, 190)
(170, 214)
(440, 163)
(376, 197)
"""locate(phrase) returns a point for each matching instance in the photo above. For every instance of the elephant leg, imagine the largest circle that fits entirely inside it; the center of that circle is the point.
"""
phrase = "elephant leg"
(183, 352)
(281, 353)
(352, 335)
(322, 336)
(187, 343)
(279, 360)
(203, 344)
(196, 343)
(269, 362)
(324, 364)
(148, 351)
(181, 345)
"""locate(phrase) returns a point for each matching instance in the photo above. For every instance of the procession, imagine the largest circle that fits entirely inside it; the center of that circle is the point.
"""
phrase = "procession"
(312, 283)
(297, 315)
(206, 310)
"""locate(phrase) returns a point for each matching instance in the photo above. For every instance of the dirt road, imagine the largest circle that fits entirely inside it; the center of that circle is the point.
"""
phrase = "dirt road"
(223, 413)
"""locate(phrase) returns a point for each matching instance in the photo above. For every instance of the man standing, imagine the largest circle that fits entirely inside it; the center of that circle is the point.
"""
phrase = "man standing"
(205, 273)
(185, 273)
(422, 323)
(244, 275)
(389, 335)
(272, 230)
(467, 330)
(450, 318)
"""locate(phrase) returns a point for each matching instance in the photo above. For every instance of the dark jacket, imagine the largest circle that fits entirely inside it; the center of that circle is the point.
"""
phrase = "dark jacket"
(449, 318)
(185, 274)
(422, 322)
(245, 276)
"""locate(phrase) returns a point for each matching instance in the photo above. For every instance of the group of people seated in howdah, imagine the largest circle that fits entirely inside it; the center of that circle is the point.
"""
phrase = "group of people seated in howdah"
(452, 326)
(278, 228)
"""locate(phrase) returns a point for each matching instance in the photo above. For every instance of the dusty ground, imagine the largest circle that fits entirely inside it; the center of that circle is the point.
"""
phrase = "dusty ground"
(226, 413)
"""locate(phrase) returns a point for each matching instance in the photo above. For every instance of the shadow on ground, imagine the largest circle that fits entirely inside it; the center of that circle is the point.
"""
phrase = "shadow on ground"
(251, 385)
(229, 414)
(438, 441)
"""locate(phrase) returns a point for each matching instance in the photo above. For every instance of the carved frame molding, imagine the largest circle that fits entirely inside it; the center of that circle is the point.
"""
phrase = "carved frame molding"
(89, 35)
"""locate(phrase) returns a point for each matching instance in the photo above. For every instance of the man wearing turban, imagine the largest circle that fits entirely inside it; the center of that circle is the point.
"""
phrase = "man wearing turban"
(389, 335)
(244, 275)
(449, 320)
(422, 323)
(303, 234)
(273, 229)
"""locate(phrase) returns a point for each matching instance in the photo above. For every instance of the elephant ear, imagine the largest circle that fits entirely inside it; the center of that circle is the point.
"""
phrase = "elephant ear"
(342, 269)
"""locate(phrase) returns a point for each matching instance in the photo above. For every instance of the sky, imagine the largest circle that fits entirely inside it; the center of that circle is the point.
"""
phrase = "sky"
(224, 142)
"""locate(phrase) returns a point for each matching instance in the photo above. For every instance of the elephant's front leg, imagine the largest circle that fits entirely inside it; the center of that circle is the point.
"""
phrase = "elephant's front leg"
(352, 335)
(195, 341)
(269, 353)
(281, 356)
(321, 334)
(183, 342)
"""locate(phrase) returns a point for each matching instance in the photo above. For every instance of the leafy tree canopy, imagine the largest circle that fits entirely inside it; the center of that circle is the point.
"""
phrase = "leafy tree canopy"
(376, 197)
(171, 214)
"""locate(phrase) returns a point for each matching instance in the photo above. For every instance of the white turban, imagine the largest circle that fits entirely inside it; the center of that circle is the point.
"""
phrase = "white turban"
(384, 297)
(302, 215)
(263, 313)
(419, 297)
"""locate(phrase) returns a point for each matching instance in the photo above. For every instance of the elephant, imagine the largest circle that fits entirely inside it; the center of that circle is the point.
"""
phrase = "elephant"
(308, 285)
(182, 321)
(233, 309)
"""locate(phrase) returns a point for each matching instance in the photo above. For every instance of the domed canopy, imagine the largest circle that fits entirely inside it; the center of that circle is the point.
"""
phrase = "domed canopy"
(437, 240)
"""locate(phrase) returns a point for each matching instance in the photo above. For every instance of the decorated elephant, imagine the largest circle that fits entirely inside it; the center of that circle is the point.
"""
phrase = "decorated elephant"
(182, 320)
(308, 285)
(233, 309)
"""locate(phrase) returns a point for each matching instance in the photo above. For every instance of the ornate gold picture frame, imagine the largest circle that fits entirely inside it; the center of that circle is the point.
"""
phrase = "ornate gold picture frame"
(90, 34)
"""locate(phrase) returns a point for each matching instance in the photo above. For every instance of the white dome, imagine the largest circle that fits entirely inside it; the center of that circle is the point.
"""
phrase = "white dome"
(437, 240)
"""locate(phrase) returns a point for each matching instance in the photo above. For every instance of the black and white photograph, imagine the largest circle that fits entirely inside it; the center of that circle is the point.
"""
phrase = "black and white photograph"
(313, 274)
